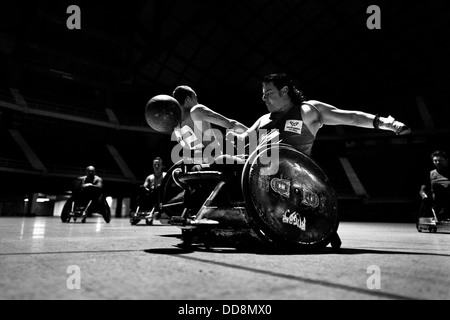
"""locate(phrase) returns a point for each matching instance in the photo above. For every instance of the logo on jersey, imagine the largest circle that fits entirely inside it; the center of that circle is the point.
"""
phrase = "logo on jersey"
(294, 126)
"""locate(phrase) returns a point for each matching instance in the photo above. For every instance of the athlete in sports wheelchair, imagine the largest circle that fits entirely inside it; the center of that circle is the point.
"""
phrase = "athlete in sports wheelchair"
(284, 201)
(434, 213)
(87, 199)
(288, 202)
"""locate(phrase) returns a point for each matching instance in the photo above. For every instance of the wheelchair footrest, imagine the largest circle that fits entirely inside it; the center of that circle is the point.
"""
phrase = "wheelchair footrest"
(227, 217)
(204, 222)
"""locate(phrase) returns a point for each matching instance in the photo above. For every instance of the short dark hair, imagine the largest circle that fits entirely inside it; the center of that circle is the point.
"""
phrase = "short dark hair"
(181, 93)
(439, 153)
(281, 80)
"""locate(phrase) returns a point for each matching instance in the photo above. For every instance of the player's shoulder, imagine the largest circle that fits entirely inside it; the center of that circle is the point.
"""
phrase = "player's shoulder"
(311, 112)
(199, 108)
(199, 112)
(308, 105)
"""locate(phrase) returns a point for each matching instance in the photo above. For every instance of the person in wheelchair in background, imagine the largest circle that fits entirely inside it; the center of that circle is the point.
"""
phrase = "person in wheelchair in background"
(147, 200)
(436, 193)
(88, 198)
(90, 192)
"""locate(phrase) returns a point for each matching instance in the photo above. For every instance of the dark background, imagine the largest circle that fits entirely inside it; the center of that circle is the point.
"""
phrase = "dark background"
(56, 85)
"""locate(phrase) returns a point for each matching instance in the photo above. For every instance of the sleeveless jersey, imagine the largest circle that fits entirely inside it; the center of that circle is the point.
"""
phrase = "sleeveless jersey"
(437, 178)
(156, 182)
(292, 129)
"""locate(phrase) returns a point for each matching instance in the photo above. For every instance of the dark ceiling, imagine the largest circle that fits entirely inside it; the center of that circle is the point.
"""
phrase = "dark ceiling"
(129, 51)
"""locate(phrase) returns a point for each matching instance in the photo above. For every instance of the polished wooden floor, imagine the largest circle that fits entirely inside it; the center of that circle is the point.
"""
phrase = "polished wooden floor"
(43, 258)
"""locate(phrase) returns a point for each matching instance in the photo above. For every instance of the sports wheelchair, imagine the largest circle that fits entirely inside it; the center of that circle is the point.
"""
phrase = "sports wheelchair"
(85, 203)
(146, 206)
(431, 216)
(285, 203)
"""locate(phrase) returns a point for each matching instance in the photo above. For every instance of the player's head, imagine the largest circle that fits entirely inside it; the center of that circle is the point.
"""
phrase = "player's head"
(185, 96)
(157, 164)
(90, 171)
(285, 85)
(440, 159)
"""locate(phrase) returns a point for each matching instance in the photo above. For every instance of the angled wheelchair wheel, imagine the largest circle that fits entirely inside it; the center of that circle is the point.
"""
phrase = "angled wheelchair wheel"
(65, 213)
(106, 211)
(289, 199)
(171, 195)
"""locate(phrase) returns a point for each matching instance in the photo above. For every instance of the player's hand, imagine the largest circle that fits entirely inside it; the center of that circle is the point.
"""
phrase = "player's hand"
(398, 127)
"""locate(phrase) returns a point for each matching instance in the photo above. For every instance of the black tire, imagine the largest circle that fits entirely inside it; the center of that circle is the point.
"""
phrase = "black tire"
(170, 192)
(65, 214)
(208, 239)
(187, 238)
(134, 221)
(106, 211)
(259, 196)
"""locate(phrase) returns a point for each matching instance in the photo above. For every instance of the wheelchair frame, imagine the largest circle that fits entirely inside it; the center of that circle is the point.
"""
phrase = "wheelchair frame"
(243, 221)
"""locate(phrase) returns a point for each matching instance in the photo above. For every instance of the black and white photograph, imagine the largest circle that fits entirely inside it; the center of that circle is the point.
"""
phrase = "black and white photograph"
(224, 156)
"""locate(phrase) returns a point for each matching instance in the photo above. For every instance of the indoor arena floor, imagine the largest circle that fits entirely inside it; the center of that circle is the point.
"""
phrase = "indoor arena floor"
(45, 259)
